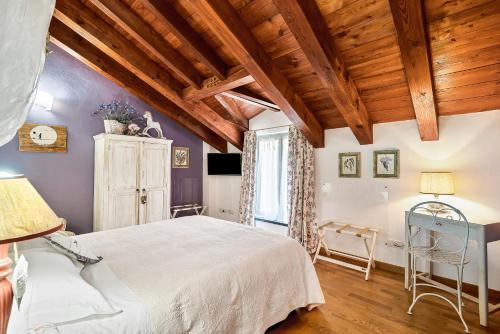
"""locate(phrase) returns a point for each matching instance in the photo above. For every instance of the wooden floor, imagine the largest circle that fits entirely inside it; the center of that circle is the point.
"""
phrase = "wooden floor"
(377, 306)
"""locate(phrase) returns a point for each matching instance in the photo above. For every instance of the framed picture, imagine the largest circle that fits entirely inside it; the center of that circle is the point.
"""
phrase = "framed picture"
(386, 163)
(42, 138)
(180, 157)
(350, 164)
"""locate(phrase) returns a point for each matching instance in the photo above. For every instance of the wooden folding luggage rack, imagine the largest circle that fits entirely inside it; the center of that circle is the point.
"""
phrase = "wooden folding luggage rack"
(360, 232)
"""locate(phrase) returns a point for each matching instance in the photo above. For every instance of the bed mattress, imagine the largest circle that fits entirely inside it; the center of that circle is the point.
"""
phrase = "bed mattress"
(199, 274)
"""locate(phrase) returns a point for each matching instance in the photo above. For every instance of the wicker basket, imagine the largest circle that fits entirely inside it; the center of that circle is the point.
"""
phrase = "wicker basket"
(114, 127)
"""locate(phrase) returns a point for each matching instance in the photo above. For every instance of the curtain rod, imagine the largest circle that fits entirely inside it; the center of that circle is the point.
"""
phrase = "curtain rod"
(273, 127)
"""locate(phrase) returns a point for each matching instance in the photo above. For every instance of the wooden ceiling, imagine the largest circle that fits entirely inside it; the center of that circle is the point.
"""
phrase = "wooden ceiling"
(212, 65)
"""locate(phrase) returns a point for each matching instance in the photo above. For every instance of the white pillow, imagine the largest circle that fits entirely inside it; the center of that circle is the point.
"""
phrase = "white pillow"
(70, 247)
(56, 293)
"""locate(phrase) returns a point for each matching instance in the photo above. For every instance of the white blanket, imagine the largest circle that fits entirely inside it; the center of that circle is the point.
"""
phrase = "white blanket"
(203, 275)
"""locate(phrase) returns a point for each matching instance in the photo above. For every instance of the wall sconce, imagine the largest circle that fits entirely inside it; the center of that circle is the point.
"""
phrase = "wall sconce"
(44, 100)
(326, 188)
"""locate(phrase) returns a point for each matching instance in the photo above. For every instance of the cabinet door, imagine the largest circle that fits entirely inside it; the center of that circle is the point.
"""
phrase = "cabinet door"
(155, 175)
(123, 184)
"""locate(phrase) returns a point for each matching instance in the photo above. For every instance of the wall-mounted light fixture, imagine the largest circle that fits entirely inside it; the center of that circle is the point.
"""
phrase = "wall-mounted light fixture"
(326, 187)
(44, 100)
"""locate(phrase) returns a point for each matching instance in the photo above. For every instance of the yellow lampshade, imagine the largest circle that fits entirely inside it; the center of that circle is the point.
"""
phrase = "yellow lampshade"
(23, 212)
(437, 183)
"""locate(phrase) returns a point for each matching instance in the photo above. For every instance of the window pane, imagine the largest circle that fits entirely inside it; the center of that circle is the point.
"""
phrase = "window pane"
(271, 177)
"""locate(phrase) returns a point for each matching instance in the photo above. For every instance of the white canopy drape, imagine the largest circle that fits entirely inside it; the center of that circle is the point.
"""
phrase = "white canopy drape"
(23, 31)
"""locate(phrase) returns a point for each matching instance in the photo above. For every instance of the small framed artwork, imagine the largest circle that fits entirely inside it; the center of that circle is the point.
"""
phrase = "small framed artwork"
(180, 157)
(386, 163)
(350, 164)
(42, 138)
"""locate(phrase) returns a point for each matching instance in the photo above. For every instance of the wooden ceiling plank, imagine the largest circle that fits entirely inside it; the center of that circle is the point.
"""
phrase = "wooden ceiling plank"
(410, 25)
(87, 24)
(149, 39)
(304, 19)
(237, 76)
(83, 50)
(245, 95)
(167, 14)
(227, 25)
(233, 109)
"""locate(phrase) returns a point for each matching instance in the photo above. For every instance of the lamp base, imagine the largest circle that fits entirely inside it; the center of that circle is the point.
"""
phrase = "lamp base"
(5, 288)
(435, 207)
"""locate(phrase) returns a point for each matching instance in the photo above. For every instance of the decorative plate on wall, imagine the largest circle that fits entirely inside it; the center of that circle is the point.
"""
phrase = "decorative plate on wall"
(42, 138)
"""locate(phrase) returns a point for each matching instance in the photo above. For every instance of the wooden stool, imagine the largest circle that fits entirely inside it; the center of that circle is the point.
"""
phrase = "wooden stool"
(359, 232)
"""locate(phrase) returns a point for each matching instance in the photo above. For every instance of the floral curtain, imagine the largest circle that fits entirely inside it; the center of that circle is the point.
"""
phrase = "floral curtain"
(248, 166)
(302, 225)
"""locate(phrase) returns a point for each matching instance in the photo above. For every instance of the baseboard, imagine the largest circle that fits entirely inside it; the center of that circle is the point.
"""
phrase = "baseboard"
(471, 289)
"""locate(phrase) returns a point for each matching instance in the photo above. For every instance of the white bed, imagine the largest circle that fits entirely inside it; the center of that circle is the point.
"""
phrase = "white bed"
(197, 275)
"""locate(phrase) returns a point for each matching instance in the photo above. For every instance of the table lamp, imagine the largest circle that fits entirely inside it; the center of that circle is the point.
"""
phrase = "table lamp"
(23, 215)
(436, 183)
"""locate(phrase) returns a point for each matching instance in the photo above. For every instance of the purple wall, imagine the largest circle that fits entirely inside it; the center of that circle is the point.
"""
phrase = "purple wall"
(65, 180)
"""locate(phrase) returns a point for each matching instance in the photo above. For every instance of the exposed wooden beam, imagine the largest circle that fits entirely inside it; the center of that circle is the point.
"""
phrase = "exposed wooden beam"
(237, 76)
(304, 19)
(410, 24)
(87, 24)
(80, 48)
(227, 25)
(233, 109)
(135, 26)
(167, 14)
(246, 95)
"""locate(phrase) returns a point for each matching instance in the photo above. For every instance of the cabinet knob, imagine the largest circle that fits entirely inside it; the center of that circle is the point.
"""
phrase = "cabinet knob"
(137, 190)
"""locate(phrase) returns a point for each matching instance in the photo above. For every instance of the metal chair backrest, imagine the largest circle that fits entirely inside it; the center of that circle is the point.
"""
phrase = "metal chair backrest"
(455, 242)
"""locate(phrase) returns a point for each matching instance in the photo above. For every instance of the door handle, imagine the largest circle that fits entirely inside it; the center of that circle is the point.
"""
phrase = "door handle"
(144, 199)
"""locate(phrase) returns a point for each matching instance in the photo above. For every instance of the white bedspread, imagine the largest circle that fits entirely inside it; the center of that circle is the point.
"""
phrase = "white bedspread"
(203, 275)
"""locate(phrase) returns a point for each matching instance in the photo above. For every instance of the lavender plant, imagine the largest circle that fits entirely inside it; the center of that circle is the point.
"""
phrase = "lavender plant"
(122, 112)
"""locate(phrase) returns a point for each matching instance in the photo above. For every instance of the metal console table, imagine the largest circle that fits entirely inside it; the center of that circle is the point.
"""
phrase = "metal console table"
(483, 232)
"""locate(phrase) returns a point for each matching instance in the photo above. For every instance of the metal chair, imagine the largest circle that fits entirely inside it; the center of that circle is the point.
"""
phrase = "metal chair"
(439, 248)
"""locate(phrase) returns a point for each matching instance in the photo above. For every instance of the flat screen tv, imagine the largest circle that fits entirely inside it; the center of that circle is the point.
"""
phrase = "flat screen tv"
(224, 164)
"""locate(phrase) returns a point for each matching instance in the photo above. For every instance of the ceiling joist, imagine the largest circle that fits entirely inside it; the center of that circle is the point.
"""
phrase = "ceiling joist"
(304, 19)
(167, 14)
(83, 50)
(83, 21)
(410, 25)
(224, 21)
(245, 95)
(149, 39)
(237, 76)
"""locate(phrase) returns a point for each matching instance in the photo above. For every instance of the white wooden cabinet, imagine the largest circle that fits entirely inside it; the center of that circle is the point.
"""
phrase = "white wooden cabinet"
(131, 181)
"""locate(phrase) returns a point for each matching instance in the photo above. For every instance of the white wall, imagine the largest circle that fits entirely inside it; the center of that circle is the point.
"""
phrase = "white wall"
(221, 192)
(468, 146)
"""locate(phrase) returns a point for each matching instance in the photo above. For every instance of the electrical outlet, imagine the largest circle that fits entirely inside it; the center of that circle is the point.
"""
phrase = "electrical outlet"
(394, 243)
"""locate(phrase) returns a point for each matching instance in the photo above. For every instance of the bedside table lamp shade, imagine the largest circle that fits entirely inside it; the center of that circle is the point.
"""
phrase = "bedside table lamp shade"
(23, 212)
(437, 183)
(23, 215)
